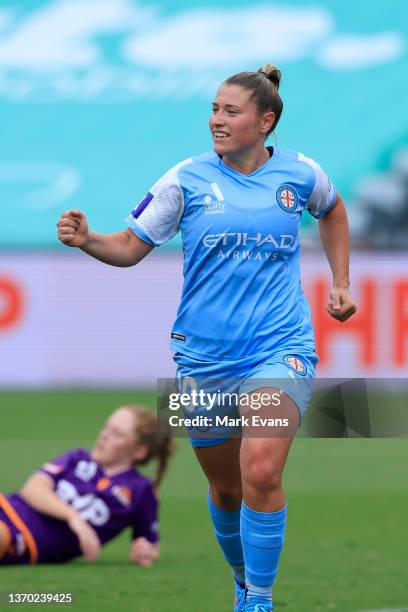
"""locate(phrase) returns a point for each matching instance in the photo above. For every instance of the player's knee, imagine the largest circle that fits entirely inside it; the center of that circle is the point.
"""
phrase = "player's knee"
(263, 476)
(226, 493)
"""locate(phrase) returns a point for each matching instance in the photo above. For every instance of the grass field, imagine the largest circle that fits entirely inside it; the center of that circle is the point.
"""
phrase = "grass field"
(346, 546)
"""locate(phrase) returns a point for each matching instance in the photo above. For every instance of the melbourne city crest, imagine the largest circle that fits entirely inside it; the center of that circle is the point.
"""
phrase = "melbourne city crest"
(287, 198)
(296, 364)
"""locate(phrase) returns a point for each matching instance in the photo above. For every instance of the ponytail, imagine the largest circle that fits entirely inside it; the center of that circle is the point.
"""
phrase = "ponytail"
(163, 455)
(160, 445)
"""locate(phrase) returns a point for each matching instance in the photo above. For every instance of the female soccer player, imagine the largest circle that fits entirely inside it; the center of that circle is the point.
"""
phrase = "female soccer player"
(243, 315)
(82, 500)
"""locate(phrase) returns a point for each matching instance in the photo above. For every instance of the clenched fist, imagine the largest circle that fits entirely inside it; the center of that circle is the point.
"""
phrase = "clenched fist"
(341, 306)
(73, 228)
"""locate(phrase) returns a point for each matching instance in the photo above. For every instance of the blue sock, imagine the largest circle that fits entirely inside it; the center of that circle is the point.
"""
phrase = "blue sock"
(227, 530)
(262, 536)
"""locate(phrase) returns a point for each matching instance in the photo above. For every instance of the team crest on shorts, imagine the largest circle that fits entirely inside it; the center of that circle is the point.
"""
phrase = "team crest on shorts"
(296, 364)
(287, 198)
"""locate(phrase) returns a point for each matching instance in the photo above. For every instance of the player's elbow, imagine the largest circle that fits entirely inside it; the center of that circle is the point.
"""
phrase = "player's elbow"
(34, 485)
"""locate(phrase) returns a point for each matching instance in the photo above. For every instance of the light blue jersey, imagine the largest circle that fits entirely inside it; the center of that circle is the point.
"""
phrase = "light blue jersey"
(242, 295)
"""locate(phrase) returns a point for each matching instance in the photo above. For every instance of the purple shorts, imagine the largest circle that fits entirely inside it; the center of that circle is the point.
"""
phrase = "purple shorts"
(14, 535)
(13, 548)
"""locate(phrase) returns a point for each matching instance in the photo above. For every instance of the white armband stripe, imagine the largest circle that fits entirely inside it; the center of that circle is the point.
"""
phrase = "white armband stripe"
(323, 195)
(158, 214)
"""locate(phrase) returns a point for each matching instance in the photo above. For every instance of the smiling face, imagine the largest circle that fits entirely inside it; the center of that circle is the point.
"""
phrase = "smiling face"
(236, 124)
(116, 445)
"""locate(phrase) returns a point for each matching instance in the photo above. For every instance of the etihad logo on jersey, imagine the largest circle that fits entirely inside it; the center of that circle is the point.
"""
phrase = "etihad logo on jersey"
(255, 255)
(235, 239)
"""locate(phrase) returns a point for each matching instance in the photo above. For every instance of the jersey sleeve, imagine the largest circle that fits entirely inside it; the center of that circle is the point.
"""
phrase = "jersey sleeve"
(59, 466)
(145, 519)
(156, 218)
(323, 195)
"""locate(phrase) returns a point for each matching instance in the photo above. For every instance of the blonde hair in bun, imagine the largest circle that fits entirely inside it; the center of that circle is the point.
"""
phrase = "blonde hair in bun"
(272, 73)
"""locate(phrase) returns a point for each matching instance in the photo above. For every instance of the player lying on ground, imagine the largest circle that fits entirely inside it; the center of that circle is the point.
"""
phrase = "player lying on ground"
(82, 500)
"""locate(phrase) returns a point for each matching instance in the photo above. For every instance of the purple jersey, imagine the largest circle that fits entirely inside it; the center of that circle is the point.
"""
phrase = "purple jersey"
(108, 503)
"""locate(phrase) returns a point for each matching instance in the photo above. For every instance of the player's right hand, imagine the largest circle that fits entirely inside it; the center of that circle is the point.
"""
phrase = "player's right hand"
(89, 542)
(143, 552)
(73, 228)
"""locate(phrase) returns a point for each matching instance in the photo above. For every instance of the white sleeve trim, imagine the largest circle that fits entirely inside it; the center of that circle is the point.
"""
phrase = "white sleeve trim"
(323, 195)
(160, 218)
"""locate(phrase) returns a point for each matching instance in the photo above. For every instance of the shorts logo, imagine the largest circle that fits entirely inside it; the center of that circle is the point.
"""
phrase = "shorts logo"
(296, 364)
(287, 198)
(21, 546)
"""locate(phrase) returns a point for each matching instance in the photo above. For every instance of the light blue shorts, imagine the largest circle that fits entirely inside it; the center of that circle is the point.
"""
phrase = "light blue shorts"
(290, 371)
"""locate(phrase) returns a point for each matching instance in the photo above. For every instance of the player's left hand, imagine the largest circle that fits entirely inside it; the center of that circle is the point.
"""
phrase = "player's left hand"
(341, 306)
(143, 552)
(89, 542)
